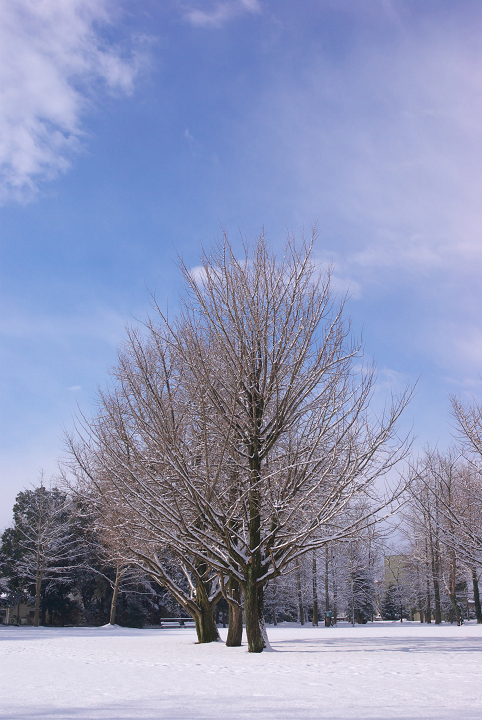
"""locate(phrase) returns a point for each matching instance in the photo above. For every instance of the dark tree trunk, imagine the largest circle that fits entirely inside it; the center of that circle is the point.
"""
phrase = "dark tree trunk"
(315, 592)
(436, 588)
(434, 559)
(206, 627)
(453, 590)
(254, 614)
(428, 611)
(335, 593)
(327, 585)
(456, 608)
(301, 609)
(235, 629)
(38, 590)
(253, 591)
(420, 596)
(475, 584)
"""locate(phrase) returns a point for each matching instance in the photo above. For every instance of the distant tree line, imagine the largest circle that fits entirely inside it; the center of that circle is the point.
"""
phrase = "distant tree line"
(52, 561)
(437, 576)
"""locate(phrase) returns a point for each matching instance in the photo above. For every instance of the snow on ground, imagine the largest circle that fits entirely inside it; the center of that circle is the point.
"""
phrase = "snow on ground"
(379, 671)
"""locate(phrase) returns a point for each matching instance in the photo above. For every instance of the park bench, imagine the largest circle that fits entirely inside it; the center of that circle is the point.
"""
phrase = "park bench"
(164, 622)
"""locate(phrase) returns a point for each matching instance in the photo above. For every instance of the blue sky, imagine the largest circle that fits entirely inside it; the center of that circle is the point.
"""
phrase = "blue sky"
(133, 131)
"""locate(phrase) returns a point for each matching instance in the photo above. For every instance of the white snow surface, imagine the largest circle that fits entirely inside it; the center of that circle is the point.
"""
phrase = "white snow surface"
(378, 671)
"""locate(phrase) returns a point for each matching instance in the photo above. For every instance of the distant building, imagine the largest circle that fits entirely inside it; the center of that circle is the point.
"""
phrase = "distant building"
(19, 614)
(396, 575)
(395, 567)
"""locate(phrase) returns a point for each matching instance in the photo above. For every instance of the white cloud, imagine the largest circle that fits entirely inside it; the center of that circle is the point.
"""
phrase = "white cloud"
(198, 273)
(52, 60)
(220, 12)
(342, 280)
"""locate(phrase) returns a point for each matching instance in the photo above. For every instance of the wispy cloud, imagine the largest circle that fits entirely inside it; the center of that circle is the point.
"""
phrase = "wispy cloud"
(101, 323)
(465, 347)
(219, 13)
(386, 139)
(53, 61)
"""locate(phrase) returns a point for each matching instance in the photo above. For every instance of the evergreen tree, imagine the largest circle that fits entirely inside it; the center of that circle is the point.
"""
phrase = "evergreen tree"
(39, 551)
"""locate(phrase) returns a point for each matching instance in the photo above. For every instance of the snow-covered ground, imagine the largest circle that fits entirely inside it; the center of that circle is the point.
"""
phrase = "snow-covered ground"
(382, 671)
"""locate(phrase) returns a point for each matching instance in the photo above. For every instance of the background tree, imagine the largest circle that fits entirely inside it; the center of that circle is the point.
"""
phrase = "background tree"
(102, 557)
(40, 549)
(445, 492)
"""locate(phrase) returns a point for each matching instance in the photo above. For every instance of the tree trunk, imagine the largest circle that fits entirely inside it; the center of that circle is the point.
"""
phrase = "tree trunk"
(428, 611)
(434, 559)
(436, 589)
(420, 595)
(254, 614)
(235, 628)
(335, 593)
(478, 609)
(456, 608)
(315, 592)
(453, 590)
(301, 609)
(200, 608)
(206, 627)
(254, 593)
(327, 585)
(38, 590)
(113, 605)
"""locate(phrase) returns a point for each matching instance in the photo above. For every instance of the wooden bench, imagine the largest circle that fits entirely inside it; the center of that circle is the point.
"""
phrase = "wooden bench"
(163, 622)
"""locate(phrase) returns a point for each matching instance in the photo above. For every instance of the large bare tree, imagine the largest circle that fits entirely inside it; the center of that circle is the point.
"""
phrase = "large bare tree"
(238, 433)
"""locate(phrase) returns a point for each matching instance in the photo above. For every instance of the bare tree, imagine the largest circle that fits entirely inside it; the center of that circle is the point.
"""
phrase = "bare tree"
(446, 512)
(131, 537)
(238, 433)
(469, 420)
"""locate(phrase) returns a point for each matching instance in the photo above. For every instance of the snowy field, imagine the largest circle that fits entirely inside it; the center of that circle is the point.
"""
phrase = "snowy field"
(384, 670)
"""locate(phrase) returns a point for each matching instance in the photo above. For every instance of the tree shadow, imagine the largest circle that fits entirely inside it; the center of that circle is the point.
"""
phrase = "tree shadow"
(234, 707)
(347, 645)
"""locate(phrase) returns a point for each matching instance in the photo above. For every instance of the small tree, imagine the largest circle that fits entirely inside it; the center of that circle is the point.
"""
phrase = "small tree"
(391, 604)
